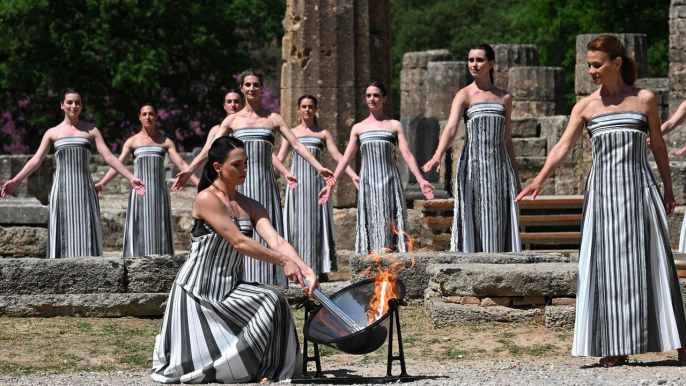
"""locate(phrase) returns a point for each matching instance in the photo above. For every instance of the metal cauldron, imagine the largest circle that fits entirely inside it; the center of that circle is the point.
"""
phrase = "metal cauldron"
(322, 327)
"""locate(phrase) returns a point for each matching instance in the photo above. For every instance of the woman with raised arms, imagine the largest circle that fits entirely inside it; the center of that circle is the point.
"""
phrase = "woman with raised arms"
(628, 296)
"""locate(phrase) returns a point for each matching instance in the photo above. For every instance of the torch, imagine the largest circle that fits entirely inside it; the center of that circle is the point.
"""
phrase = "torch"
(349, 323)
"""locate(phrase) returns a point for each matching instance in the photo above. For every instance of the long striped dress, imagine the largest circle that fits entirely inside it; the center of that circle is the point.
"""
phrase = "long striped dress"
(308, 226)
(628, 295)
(486, 217)
(148, 229)
(217, 328)
(260, 185)
(381, 201)
(74, 228)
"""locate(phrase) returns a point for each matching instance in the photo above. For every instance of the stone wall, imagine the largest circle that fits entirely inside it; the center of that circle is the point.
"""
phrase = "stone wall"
(677, 54)
(509, 56)
(413, 78)
(537, 91)
(332, 50)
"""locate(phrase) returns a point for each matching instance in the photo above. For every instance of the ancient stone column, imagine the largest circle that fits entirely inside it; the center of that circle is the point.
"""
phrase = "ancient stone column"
(332, 49)
(443, 81)
(537, 91)
(636, 47)
(413, 79)
(512, 55)
(677, 54)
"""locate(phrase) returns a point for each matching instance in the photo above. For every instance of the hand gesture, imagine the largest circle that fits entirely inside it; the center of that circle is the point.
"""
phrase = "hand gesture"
(138, 186)
(324, 194)
(181, 181)
(532, 190)
(356, 181)
(98, 189)
(8, 188)
(327, 175)
(669, 201)
(681, 151)
(427, 189)
(291, 180)
(432, 163)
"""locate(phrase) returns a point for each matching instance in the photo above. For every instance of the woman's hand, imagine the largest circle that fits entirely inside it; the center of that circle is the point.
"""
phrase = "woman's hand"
(356, 181)
(291, 180)
(327, 175)
(532, 190)
(669, 201)
(99, 188)
(432, 163)
(8, 188)
(427, 189)
(181, 181)
(297, 275)
(681, 151)
(324, 194)
(138, 186)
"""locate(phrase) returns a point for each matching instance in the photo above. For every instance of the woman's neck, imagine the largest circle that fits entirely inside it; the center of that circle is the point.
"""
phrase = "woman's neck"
(378, 114)
(613, 89)
(150, 131)
(228, 190)
(70, 121)
(484, 83)
(308, 123)
(253, 107)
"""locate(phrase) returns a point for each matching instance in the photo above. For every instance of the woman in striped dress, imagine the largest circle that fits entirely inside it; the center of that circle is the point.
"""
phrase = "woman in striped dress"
(380, 202)
(486, 217)
(257, 127)
(217, 327)
(628, 296)
(74, 225)
(149, 229)
(308, 226)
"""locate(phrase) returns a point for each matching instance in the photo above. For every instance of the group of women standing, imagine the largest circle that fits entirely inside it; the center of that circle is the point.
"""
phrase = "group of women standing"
(220, 320)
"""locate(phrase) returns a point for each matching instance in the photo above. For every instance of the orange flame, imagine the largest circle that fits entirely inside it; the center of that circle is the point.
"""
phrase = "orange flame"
(385, 281)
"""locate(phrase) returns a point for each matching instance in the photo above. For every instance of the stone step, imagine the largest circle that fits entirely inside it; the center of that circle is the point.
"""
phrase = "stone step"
(23, 211)
(107, 305)
(530, 147)
(550, 219)
(444, 314)
(541, 202)
(551, 238)
(564, 252)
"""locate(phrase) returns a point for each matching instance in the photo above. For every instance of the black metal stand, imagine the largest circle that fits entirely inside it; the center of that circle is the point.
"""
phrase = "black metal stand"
(394, 314)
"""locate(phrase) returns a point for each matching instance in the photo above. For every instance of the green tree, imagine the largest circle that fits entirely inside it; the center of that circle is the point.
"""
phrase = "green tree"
(179, 54)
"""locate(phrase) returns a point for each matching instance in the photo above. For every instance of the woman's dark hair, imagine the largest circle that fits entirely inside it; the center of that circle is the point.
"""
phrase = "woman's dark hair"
(615, 49)
(490, 55)
(314, 100)
(69, 90)
(251, 72)
(235, 91)
(219, 152)
(147, 104)
(378, 85)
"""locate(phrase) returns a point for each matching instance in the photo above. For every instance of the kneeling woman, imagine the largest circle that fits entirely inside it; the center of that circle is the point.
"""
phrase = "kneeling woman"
(217, 328)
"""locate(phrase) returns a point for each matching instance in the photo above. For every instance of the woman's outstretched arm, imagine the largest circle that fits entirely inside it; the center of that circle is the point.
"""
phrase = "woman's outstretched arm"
(456, 111)
(111, 173)
(427, 188)
(111, 160)
(31, 166)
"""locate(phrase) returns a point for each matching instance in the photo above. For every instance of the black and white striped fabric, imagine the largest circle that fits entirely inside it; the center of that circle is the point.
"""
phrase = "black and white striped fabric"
(486, 217)
(148, 229)
(381, 201)
(260, 185)
(628, 295)
(217, 328)
(308, 226)
(74, 228)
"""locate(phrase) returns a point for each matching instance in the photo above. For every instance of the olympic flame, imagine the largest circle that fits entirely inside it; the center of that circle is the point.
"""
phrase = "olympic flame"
(385, 280)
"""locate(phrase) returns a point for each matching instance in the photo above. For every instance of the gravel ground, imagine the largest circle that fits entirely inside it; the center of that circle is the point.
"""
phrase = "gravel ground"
(647, 370)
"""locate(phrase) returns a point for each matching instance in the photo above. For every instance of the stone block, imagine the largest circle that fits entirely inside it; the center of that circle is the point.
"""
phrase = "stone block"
(512, 55)
(636, 47)
(421, 59)
(523, 127)
(422, 135)
(105, 305)
(453, 299)
(496, 301)
(675, 222)
(452, 315)
(23, 211)
(470, 300)
(37, 185)
(653, 84)
(413, 78)
(560, 317)
(528, 300)
(346, 227)
(529, 147)
(21, 241)
(542, 84)
(677, 11)
(416, 277)
(443, 81)
(530, 109)
(77, 275)
(544, 279)
(564, 301)
(154, 273)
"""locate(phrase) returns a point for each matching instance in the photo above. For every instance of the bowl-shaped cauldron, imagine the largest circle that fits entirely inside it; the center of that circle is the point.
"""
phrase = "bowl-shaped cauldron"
(325, 328)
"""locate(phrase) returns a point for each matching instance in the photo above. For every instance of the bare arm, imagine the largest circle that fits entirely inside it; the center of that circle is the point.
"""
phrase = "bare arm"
(283, 151)
(456, 111)
(111, 173)
(336, 155)
(31, 166)
(406, 152)
(508, 139)
(282, 127)
(177, 160)
(559, 152)
(659, 149)
(350, 150)
(676, 119)
(111, 160)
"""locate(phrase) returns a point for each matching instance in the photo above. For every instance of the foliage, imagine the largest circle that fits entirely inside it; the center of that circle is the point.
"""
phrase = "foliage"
(178, 54)
(552, 25)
